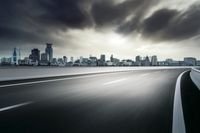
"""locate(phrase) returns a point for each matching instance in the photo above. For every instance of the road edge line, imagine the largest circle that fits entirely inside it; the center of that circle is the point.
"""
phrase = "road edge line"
(15, 106)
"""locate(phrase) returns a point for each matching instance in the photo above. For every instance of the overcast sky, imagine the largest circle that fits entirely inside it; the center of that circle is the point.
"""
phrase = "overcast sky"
(125, 28)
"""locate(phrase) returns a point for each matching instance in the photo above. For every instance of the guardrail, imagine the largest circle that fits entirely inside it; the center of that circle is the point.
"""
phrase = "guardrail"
(195, 76)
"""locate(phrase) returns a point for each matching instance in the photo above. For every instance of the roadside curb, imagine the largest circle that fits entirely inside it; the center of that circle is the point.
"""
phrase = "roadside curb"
(178, 124)
(195, 76)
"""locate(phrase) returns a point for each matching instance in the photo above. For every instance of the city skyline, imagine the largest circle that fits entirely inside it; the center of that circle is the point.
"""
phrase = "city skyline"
(141, 27)
(25, 53)
(47, 58)
(41, 51)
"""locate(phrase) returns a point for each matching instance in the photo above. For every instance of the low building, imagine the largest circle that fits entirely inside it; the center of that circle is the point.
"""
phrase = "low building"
(109, 63)
(198, 63)
(126, 63)
(169, 62)
(27, 62)
(190, 61)
(6, 61)
(162, 63)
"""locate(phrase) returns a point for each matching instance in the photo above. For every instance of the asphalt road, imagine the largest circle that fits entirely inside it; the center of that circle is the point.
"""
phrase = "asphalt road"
(121, 102)
(191, 100)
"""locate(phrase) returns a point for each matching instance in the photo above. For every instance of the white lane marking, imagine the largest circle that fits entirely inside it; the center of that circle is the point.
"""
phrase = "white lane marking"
(52, 80)
(178, 118)
(115, 81)
(15, 106)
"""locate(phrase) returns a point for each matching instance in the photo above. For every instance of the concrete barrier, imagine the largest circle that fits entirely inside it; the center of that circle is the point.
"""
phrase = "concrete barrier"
(195, 76)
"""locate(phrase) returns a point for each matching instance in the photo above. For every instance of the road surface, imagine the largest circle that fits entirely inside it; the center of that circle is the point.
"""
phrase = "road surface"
(121, 102)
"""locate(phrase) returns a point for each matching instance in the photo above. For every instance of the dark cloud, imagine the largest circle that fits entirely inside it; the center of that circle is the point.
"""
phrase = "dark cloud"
(131, 25)
(67, 13)
(167, 24)
(186, 24)
(108, 12)
(34, 21)
(157, 22)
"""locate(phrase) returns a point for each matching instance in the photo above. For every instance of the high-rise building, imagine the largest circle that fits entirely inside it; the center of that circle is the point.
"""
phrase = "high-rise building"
(138, 61)
(103, 57)
(93, 61)
(6, 61)
(49, 52)
(44, 57)
(154, 60)
(35, 55)
(102, 61)
(114, 61)
(146, 61)
(111, 58)
(15, 56)
(65, 59)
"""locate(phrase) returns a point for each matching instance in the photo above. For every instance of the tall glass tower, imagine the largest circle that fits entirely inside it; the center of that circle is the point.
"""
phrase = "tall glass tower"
(14, 56)
(49, 52)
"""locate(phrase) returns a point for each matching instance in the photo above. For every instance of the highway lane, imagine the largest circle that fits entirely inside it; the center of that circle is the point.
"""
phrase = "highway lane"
(135, 101)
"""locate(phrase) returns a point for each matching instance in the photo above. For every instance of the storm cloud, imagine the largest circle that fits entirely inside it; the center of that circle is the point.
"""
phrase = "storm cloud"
(168, 24)
(35, 21)
(108, 12)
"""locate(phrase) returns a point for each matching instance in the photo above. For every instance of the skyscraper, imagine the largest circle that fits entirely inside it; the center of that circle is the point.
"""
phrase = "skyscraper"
(44, 57)
(35, 55)
(111, 58)
(154, 60)
(146, 61)
(49, 52)
(138, 61)
(103, 57)
(14, 56)
(65, 59)
(102, 61)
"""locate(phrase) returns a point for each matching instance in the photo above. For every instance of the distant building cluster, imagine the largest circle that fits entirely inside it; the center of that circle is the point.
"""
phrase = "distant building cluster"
(36, 58)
